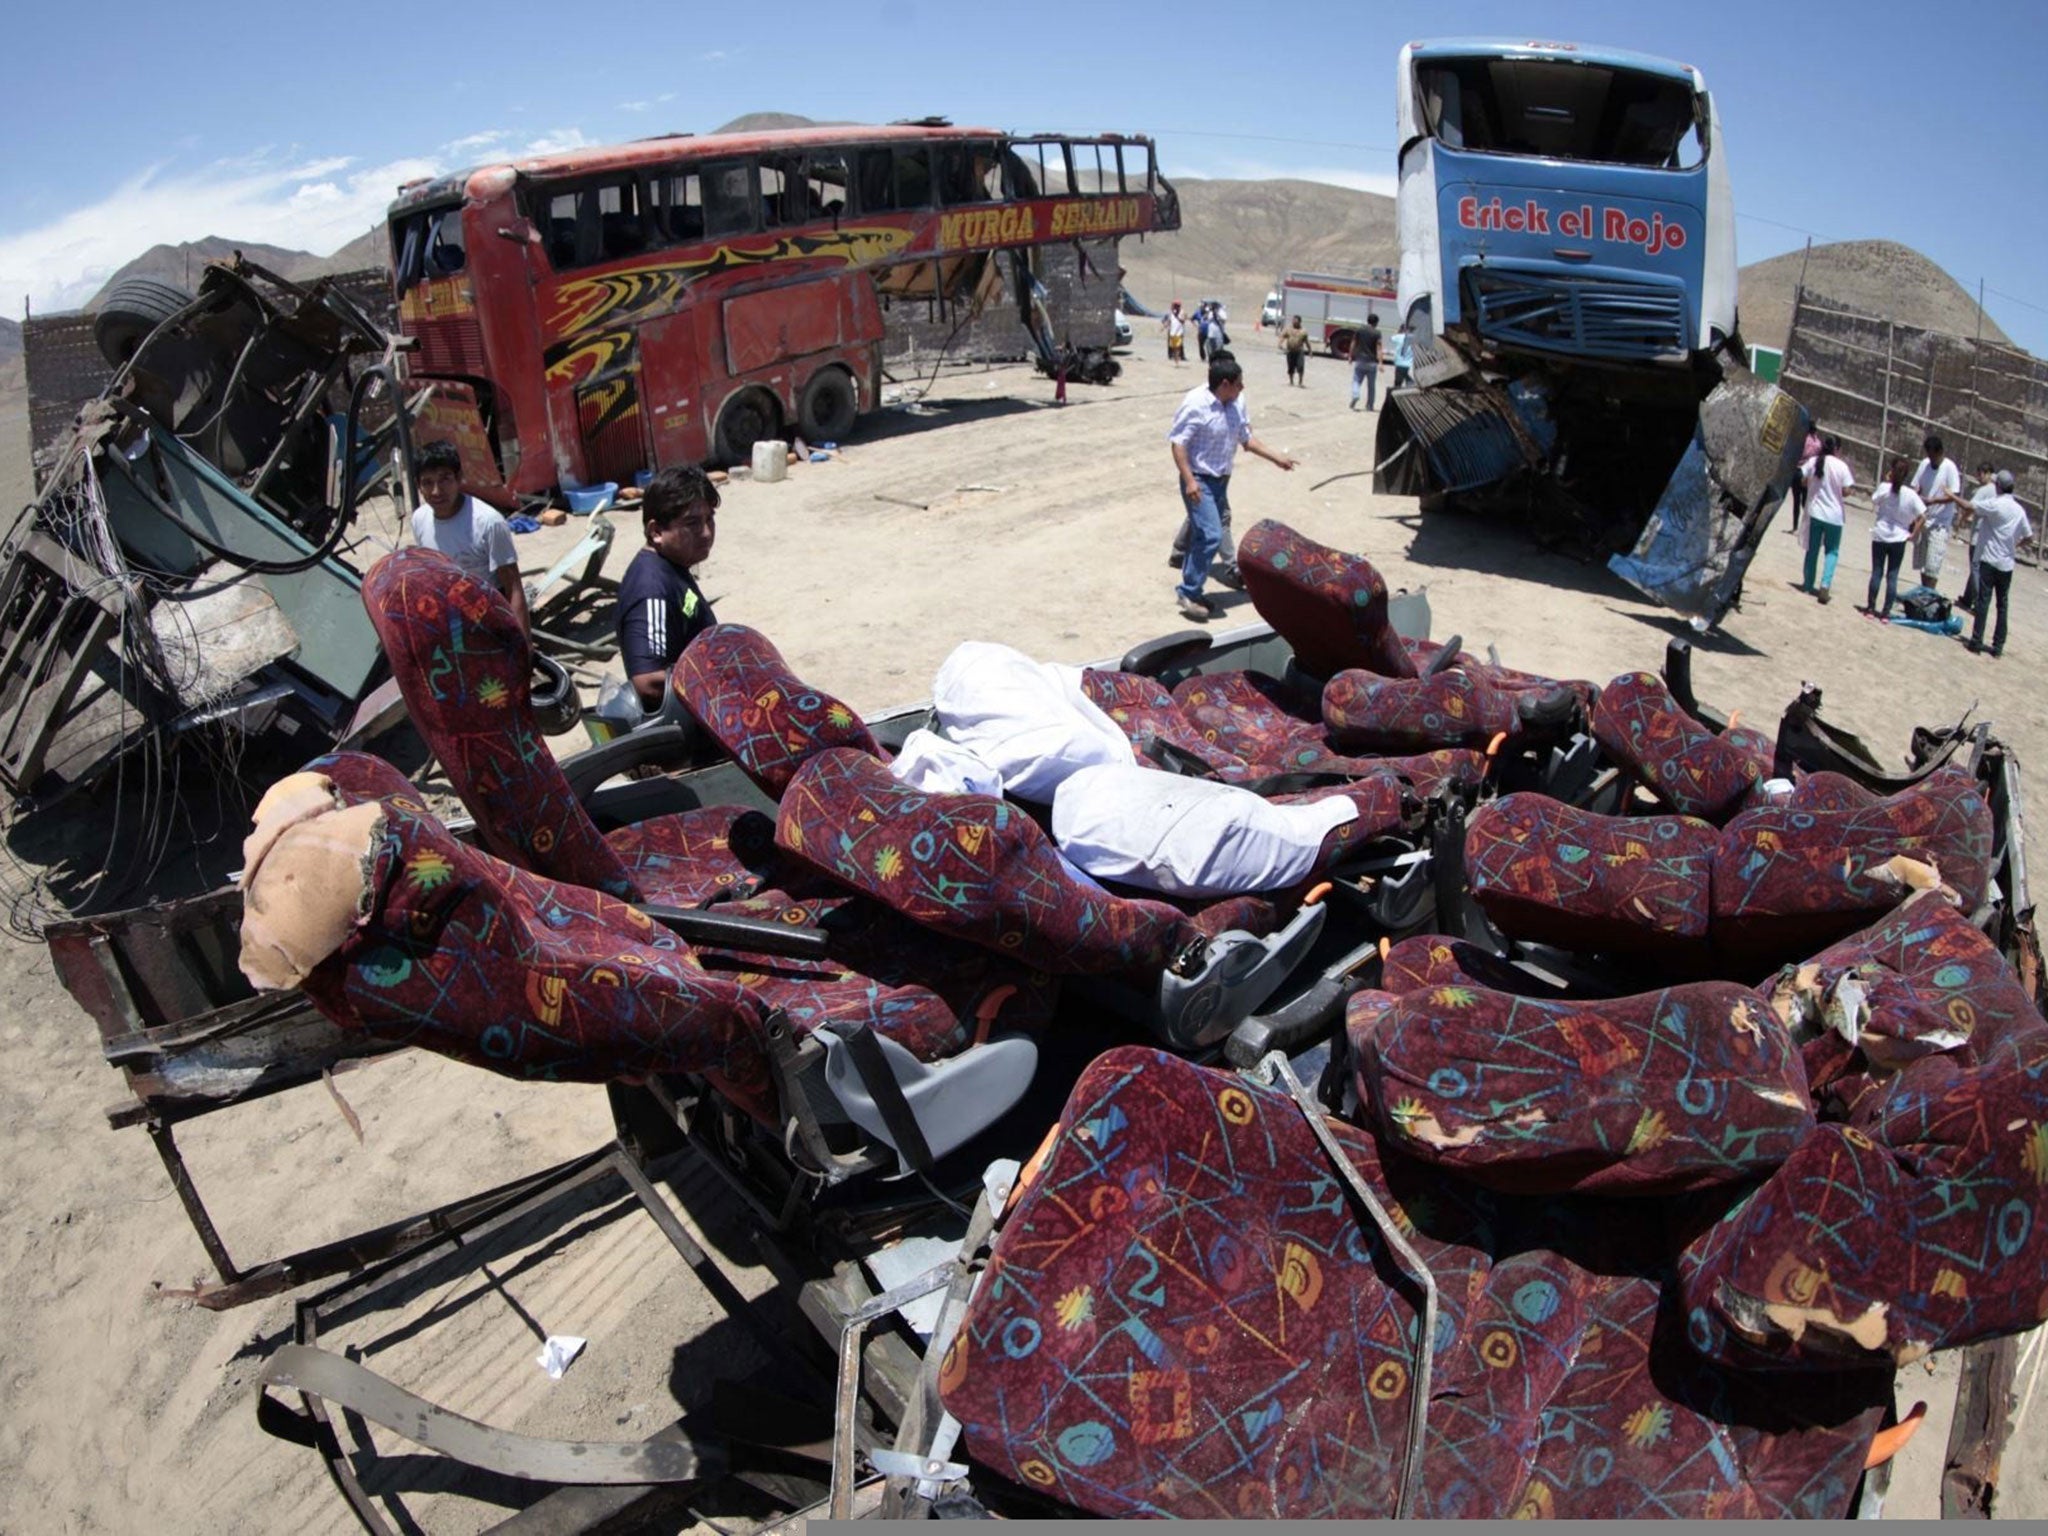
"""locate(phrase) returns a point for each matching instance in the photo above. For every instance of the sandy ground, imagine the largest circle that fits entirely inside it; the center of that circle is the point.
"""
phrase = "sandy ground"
(1046, 528)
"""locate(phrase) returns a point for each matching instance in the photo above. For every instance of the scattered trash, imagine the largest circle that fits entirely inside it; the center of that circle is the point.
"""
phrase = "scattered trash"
(718, 477)
(818, 456)
(519, 522)
(558, 1353)
(903, 501)
(553, 517)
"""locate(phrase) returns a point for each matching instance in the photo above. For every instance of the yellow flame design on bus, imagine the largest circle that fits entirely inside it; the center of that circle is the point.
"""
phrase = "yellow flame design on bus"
(613, 297)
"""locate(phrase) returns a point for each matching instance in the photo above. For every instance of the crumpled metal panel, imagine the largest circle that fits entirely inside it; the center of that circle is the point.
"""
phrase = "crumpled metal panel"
(1467, 438)
(1698, 544)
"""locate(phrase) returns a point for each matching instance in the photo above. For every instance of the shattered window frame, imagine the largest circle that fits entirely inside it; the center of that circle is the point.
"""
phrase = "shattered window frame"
(1464, 104)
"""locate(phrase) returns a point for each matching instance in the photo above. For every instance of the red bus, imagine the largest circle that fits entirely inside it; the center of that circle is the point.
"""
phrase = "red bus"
(583, 316)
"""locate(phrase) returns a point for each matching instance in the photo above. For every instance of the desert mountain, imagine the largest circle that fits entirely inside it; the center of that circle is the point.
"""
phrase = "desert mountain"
(10, 340)
(1880, 276)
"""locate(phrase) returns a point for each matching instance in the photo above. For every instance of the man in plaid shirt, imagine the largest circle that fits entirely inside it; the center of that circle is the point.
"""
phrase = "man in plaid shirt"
(1210, 426)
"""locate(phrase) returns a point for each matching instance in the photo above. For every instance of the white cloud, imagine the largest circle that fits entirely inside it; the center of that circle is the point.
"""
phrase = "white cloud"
(557, 141)
(718, 56)
(469, 143)
(635, 106)
(281, 198)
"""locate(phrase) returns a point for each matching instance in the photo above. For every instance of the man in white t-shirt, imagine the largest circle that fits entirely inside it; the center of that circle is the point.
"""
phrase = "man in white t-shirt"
(452, 519)
(1966, 531)
(1939, 483)
(2002, 526)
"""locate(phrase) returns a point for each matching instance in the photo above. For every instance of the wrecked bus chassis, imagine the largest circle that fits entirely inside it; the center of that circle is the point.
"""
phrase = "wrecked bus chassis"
(830, 1205)
(1568, 279)
(181, 575)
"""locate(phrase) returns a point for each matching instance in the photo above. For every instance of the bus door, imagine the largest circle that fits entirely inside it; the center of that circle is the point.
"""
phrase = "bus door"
(683, 370)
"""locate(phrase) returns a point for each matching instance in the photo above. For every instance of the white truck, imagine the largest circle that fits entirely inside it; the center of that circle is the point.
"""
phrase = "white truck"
(1334, 305)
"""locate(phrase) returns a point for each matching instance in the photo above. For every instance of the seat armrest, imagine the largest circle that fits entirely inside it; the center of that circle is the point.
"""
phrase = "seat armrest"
(725, 930)
(650, 744)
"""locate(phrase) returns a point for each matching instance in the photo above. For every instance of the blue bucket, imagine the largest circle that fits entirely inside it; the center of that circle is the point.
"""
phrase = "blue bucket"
(644, 478)
(591, 498)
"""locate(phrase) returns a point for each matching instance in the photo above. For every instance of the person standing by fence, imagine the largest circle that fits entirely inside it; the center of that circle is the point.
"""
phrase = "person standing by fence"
(2002, 526)
(1827, 480)
(1966, 525)
(1897, 514)
(1939, 484)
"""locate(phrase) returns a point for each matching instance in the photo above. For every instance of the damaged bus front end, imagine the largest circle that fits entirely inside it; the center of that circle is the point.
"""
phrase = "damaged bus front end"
(1568, 292)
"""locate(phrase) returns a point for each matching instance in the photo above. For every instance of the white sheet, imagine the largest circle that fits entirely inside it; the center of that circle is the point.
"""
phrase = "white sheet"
(1028, 720)
(1187, 837)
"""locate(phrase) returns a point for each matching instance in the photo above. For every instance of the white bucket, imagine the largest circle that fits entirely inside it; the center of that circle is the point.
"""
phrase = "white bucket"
(771, 460)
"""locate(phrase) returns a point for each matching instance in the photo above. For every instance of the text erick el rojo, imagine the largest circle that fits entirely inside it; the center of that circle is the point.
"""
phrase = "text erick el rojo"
(1584, 222)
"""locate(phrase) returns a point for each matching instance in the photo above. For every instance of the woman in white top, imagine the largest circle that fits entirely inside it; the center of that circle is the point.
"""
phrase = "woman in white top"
(1827, 479)
(1897, 512)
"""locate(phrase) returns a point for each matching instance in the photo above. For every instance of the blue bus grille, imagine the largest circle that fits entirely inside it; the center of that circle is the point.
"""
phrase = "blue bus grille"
(1589, 316)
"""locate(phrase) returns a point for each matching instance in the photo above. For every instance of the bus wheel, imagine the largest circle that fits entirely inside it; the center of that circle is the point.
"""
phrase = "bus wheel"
(136, 307)
(748, 418)
(827, 407)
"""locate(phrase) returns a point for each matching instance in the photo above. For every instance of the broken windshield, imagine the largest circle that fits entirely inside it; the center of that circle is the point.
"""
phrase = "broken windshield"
(1562, 111)
(427, 245)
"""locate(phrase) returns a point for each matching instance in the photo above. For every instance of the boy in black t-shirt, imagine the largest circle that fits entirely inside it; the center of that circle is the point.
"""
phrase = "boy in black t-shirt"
(661, 609)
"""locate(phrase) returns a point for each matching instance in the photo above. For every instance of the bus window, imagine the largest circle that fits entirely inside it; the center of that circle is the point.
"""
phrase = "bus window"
(962, 173)
(676, 207)
(780, 205)
(824, 186)
(1137, 164)
(913, 178)
(426, 246)
(585, 225)
(1562, 111)
(874, 170)
(732, 203)
(1095, 169)
(1044, 164)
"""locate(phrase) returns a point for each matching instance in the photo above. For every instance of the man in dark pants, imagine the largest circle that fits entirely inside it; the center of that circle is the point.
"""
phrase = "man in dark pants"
(1208, 429)
(2002, 526)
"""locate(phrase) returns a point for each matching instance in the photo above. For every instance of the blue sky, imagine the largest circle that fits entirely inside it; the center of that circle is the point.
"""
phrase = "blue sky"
(292, 124)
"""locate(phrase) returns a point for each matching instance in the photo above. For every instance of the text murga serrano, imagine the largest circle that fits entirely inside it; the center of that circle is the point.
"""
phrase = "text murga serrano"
(1020, 223)
(1615, 225)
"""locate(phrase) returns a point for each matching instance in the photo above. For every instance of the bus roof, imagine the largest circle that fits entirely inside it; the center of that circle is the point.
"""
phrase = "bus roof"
(667, 148)
(1569, 53)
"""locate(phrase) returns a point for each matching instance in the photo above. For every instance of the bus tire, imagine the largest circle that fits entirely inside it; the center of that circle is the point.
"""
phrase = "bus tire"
(749, 417)
(825, 411)
(1339, 343)
(137, 306)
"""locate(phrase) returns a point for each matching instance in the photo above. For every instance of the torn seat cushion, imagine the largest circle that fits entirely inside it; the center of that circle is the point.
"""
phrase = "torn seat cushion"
(1645, 1095)
(1696, 772)
(735, 683)
(448, 948)
(1186, 1315)
(1330, 606)
(1920, 981)
(1788, 881)
(1364, 713)
(1919, 1228)
(971, 866)
(1551, 873)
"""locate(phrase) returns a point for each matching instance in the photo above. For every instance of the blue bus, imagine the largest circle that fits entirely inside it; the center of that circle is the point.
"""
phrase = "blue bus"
(1564, 200)
(1568, 281)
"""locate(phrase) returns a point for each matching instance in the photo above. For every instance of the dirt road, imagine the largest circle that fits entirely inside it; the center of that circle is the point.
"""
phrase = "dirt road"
(982, 512)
